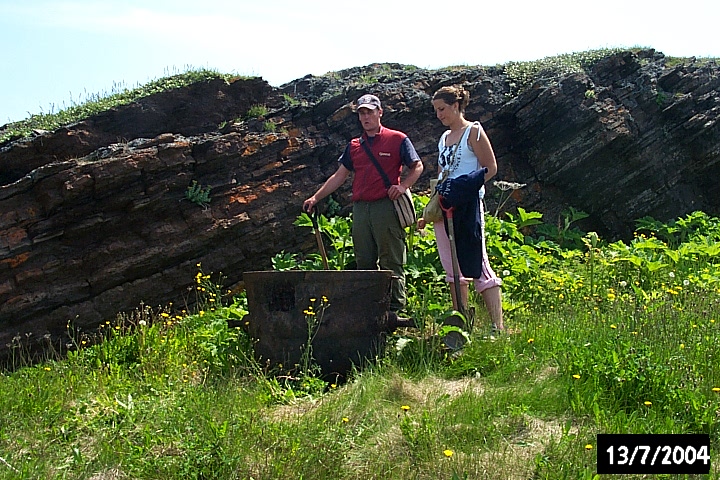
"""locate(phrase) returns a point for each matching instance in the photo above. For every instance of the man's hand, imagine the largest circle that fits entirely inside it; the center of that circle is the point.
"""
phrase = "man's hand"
(309, 204)
(396, 191)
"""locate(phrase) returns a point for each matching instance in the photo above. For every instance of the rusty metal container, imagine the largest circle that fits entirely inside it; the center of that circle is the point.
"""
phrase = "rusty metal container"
(351, 329)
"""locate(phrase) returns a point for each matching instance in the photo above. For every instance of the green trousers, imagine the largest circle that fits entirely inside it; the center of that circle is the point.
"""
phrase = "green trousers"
(379, 242)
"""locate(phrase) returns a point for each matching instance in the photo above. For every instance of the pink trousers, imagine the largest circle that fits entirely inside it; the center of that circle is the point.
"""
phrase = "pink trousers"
(488, 278)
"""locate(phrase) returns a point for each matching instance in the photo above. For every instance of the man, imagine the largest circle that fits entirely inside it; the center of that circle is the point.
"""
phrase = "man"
(377, 236)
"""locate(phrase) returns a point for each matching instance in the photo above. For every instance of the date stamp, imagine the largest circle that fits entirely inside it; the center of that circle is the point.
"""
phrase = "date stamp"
(651, 454)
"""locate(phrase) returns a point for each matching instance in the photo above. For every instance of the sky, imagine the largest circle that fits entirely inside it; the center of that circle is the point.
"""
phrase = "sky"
(57, 53)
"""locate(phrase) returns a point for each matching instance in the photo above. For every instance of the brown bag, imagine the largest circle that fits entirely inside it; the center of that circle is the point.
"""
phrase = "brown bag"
(405, 209)
(433, 212)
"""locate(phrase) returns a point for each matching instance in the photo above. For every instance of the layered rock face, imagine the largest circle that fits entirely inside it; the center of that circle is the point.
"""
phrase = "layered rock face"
(94, 217)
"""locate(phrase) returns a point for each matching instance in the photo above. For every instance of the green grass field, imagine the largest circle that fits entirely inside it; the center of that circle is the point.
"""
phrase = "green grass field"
(609, 338)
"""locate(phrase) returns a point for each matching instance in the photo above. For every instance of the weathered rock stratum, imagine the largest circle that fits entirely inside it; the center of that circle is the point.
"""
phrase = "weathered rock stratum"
(94, 220)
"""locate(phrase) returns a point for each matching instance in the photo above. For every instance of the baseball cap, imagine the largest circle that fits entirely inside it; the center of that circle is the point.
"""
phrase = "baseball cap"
(368, 101)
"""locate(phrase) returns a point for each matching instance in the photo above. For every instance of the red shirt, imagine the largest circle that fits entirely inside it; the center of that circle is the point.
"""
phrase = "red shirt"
(391, 149)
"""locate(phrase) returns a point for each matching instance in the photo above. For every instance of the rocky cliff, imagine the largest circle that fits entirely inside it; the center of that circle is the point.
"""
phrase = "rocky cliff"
(94, 219)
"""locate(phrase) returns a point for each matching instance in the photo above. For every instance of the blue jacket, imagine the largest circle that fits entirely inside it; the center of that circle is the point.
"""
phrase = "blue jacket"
(461, 194)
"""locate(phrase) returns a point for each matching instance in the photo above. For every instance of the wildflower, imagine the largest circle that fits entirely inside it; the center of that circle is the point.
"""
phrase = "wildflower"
(531, 340)
(576, 376)
(345, 419)
(716, 389)
(448, 453)
(647, 403)
(312, 299)
(613, 326)
(623, 284)
(164, 315)
(506, 273)
(47, 369)
(324, 299)
(611, 296)
(686, 282)
(142, 322)
(405, 407)
(332, 385)
(682, 345)
(588, 447)
(671, 274)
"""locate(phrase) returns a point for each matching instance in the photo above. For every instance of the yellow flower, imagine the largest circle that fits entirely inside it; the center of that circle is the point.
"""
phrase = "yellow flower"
(345, 419)
(576, 376)
(647, 403)
(405, 407)
(682, 345)
(613, 326)
(588, 447)
(47, 369)
(448, 453)
(165, 315)
(716, 389)
(332, 385)
(531, 340)
(611, 296)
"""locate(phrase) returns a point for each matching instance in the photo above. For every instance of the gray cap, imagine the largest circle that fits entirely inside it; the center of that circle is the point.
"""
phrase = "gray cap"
(368, 101)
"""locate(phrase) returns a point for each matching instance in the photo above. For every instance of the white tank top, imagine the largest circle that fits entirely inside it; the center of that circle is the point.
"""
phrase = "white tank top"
(459, 159)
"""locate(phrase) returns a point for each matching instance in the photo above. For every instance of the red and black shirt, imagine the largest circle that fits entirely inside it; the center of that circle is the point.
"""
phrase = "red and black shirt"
(391, 148)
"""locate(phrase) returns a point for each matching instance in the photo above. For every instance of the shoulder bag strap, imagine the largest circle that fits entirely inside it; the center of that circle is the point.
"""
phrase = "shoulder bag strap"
(384, 176)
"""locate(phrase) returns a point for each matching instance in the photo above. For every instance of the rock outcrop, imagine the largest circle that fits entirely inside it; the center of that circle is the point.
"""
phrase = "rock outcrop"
(94, 219)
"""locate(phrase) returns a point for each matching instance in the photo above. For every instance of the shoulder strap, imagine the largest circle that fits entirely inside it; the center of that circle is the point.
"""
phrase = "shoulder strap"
(480, 130)
(384, 176)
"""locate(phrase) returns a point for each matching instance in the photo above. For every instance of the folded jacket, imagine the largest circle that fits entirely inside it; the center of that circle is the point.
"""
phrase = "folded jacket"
(461, 194)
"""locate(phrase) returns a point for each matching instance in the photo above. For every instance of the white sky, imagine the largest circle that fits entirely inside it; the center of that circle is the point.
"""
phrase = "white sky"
(54, 53)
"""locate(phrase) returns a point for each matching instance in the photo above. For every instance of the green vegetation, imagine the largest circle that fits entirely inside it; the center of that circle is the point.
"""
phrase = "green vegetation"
(269, 126)
(522, 75)
(101, 102)
(609, 337)
(256, 111)
(290, 100)
(198, 195)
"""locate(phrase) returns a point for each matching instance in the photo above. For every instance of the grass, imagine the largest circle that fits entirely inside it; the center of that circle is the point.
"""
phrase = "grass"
(162, 394)
(101, 102)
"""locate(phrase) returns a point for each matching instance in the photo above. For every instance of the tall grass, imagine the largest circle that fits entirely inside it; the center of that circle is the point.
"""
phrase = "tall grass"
(158, 393)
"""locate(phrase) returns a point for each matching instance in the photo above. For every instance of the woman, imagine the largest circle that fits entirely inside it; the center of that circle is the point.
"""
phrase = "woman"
(465, 148)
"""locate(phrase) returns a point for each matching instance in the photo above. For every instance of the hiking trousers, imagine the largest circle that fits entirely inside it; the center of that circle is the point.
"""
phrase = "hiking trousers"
(379, 242)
